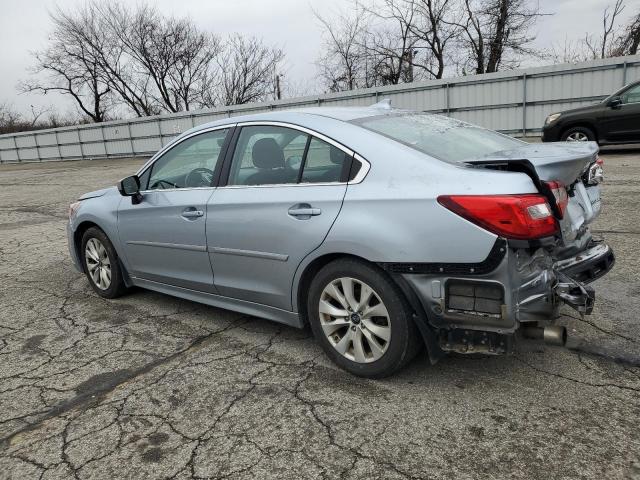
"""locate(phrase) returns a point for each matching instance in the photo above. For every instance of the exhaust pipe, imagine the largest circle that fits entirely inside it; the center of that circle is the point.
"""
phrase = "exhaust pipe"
(553, 335)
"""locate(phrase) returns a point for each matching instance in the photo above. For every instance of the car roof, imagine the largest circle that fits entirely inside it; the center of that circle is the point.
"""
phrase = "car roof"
(304, 115)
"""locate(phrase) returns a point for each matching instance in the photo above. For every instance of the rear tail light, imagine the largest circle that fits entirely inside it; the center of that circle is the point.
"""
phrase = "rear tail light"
(560, 193)
(596, 172)
(523, 217)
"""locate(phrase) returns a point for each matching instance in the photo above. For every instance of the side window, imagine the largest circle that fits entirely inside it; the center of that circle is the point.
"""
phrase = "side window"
(324, 163)
(190, 164)
(632, 95)
(267, 155)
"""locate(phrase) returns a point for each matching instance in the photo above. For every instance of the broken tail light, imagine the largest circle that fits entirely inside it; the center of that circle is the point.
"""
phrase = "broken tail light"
(560, 194)
(523, 217)
(596, 172)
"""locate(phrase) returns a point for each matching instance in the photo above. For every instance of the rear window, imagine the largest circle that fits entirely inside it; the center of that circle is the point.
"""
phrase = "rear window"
(441, 137)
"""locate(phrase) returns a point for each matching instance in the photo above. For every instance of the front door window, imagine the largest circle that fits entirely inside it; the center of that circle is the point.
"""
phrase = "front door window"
(189, 164)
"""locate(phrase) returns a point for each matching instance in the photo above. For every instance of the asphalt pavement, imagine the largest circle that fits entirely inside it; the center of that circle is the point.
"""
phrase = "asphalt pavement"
(149, 386)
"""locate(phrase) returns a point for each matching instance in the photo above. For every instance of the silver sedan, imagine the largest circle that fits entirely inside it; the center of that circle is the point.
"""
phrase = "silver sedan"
(386, 231)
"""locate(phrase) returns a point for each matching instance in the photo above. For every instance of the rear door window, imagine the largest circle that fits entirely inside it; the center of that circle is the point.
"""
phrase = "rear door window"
(324, 163)
(271, 155)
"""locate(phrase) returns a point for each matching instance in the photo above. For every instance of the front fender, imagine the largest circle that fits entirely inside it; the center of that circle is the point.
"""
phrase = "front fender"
(101, 211)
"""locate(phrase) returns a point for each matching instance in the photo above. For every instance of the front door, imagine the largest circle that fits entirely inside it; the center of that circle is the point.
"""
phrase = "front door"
(622, 123)
(284, 191)
(164, 236)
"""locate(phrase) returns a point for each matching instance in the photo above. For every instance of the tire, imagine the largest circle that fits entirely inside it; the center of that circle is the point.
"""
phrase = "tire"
(578, 134)
(387, 343)
(97, 254)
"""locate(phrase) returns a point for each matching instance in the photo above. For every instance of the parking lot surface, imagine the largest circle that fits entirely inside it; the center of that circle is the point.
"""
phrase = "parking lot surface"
(148, 386)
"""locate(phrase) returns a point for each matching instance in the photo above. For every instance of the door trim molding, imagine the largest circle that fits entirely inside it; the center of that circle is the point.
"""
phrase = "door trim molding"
(177, 246)
(250, 253)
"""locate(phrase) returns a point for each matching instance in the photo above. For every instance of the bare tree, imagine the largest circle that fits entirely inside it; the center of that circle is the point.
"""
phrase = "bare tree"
(628, 42)
(614, 40)
(435, 26)
(172, 52)
(12, 121)
(71, 66)
(603, 46)
(386, 42)
(245, 72)
(343, 64)
(496, 33)
(389, 44)
(109, 54)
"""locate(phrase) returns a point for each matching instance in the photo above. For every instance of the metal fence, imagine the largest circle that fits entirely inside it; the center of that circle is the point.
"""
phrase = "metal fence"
(514, 102)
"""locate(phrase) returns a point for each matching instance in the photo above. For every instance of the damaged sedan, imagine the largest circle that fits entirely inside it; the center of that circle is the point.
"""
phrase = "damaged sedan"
(384, 230)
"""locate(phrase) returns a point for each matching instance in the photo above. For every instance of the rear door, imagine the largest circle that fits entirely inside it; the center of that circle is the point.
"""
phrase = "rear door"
(285, 188)
(164, 236)
(622, 123)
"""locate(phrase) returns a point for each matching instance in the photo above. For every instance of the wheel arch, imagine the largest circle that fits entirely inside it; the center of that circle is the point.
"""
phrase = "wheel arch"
(580, 123)
(78, 233)
(419, 316)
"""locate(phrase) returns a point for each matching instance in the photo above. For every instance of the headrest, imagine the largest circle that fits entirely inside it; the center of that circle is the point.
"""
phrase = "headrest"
(266, 153)
(336, 155)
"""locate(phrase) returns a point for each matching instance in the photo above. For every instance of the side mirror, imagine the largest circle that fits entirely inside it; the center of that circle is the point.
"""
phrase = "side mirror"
(130, 187)
(614, 102)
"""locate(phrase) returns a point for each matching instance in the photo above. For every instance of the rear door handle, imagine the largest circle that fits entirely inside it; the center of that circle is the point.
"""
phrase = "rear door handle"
(192, 212)
(304, 211)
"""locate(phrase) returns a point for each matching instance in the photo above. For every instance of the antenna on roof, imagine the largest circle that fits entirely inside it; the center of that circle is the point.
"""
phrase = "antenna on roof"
(384, 104)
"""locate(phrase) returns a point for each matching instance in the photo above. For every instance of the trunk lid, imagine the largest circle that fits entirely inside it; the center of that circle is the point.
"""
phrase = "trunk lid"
(566, 162)
(563, 161)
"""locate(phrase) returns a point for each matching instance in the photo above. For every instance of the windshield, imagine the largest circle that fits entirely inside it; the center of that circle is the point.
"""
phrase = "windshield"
(619, 92)
(441, 137)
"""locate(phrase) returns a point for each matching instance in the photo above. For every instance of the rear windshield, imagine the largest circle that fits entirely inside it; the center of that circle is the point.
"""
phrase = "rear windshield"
(441, 137)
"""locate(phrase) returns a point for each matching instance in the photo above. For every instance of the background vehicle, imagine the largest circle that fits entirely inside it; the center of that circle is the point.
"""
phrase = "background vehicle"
(614, 120)
(382, 229)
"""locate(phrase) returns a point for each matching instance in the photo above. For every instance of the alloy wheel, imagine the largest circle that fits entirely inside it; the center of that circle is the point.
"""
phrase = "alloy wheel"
(98, 263)
(577, 137)
(355, 320)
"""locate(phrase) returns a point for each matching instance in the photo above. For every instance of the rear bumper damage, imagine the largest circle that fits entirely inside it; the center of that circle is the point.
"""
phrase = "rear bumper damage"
(481, 310)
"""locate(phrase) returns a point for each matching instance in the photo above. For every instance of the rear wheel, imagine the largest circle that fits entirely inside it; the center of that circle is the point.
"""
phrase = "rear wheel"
(361, 319)
(578, 134)
(101, 264)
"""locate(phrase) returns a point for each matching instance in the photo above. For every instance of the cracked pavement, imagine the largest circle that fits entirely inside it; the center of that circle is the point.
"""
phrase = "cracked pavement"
(149, 386)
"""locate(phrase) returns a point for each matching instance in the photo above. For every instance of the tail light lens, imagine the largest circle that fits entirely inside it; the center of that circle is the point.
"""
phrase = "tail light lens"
(523, 217)
(596, 172)
(560, 193)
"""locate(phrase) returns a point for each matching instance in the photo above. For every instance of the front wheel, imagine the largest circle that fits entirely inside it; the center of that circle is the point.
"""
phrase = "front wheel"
(101, 264)
(578, 134)
(361, 319)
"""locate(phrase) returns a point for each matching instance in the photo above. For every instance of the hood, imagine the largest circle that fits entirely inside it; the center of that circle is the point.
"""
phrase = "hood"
(585, 109)
(563, 161)
(96, 193)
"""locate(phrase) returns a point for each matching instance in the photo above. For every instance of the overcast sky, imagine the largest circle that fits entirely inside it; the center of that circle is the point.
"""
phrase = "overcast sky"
(289, 24)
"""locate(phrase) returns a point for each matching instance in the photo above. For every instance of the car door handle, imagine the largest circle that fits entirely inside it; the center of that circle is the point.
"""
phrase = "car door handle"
(192, 213)
(304, 210)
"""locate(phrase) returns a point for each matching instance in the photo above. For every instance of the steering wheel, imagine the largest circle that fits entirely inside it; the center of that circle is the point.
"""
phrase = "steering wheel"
(199, 177)
(160, 182)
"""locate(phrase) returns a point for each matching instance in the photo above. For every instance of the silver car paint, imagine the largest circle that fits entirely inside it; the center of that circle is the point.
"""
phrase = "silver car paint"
(392, 216)
(255, 245)
(563, 161)
(161, 244)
